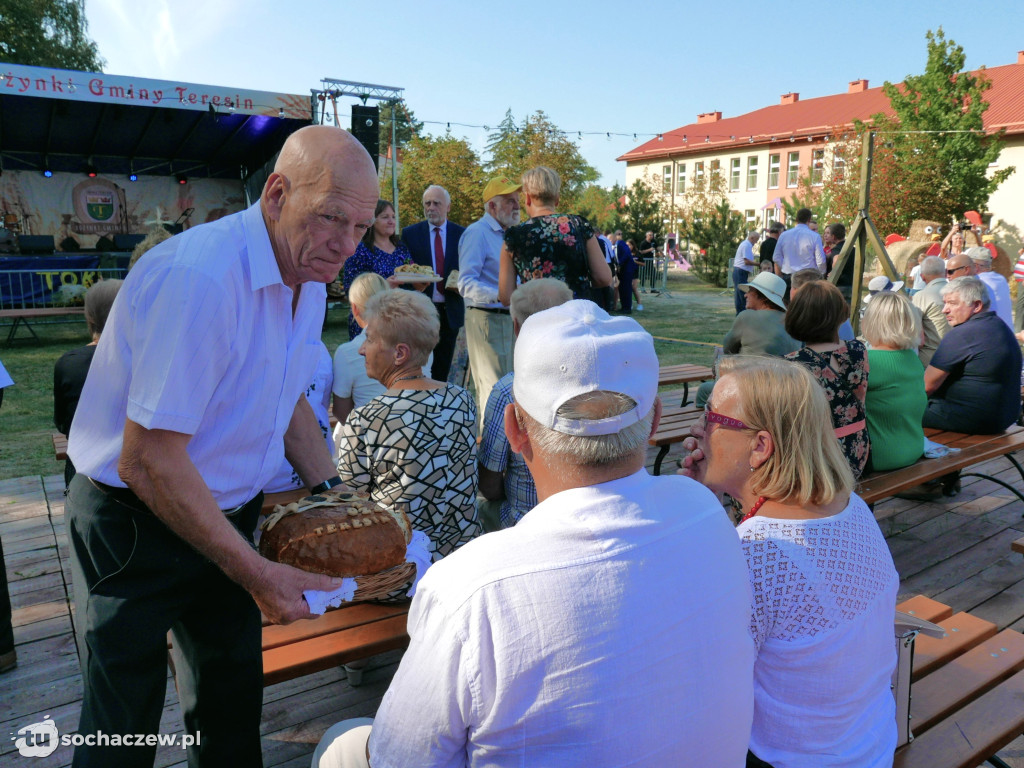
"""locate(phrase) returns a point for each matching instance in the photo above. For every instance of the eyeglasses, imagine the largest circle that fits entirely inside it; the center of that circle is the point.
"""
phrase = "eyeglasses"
(951, 272)
(728, 422)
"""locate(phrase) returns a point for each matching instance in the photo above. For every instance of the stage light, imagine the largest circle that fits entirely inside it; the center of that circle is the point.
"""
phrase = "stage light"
(90, 171)
(280, 112)
(133, 177)
(48, 173)
(182, 179)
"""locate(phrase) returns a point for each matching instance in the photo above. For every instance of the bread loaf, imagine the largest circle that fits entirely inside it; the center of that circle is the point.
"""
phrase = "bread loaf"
(336, 533)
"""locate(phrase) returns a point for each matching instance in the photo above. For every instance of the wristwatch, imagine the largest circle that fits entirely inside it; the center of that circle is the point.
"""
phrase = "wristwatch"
(326, 485)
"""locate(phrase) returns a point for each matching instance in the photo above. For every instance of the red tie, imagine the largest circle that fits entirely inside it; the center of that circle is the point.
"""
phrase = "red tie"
(438, 252)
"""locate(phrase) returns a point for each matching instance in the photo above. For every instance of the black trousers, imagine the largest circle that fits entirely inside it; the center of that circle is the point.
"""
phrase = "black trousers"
(134, 581)
(445, 346)
(6, 628)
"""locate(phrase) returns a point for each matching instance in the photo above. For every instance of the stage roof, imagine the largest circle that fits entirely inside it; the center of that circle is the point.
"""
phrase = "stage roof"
(63, 120)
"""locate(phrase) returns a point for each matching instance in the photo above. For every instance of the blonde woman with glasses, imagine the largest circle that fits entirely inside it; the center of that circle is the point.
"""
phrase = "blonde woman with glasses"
(822, 580)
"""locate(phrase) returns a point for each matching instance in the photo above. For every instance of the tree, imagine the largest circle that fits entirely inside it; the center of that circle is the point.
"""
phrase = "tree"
(514, 149)
(640, 214)
(718, 234)
(598, 205)
(406, 126)
(931, 157)
(47, 33)
(447, 161)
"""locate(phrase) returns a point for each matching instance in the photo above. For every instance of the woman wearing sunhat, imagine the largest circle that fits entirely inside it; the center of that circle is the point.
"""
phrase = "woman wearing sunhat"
(760, 329)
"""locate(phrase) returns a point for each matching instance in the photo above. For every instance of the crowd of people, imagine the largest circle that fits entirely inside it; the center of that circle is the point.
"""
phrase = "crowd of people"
(594, 623)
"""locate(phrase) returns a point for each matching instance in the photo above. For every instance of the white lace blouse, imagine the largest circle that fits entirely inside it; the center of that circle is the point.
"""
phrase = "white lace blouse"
(823, 594)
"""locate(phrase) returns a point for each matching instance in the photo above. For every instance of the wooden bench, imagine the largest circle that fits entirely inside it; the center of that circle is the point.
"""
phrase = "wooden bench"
(338, 637)
(60, 446)
(967, 698)
(22, 317)
(673, 428)
(685, 374)
(974, 449)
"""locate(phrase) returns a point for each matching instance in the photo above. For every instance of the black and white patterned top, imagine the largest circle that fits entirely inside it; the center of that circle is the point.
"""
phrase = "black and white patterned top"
(418, 447)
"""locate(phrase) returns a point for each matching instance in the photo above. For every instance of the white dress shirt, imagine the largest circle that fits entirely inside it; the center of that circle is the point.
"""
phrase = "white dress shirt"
(350, 379)
(201, 340)
(999, 296)
(438, 288)
(609, 627)
(744, 253)
(799, 248)
(479, 251)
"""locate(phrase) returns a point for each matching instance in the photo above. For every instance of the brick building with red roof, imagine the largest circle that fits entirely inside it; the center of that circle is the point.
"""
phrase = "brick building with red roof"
(762, 154)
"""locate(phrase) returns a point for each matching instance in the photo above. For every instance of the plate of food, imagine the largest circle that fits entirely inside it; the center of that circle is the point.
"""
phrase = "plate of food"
(416, 273)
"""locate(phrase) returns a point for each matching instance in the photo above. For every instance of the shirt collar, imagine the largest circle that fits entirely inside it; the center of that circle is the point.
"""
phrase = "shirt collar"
(443, 227)
(492, 222)
(263, 268)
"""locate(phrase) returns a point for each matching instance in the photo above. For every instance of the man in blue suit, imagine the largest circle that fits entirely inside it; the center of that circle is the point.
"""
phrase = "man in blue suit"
(435, 243)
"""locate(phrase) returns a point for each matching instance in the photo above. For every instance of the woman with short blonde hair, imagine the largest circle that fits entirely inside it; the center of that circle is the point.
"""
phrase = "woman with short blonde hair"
(896, 399)
(414, 444)
(823, 586)
(551, 244)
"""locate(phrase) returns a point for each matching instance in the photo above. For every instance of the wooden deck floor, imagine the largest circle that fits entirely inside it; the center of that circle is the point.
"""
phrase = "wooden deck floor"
(957, 551)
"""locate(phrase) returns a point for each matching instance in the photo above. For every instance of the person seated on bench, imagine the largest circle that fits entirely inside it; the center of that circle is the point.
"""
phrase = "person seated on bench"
(416, 443)
(607, 628)
(822, 579)
(73, 366)
(896, 398)
(973, 380)
(759, 329)
(505, 480)
(816, 312)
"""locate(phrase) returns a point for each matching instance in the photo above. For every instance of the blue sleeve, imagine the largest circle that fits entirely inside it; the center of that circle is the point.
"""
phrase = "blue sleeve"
(359, 262)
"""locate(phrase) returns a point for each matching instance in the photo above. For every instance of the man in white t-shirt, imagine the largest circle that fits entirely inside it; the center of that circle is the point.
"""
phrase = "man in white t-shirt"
(551, 643)
(743, 268)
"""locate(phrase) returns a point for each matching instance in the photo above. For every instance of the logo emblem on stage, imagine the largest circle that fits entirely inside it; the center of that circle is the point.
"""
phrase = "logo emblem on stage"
(100, 205)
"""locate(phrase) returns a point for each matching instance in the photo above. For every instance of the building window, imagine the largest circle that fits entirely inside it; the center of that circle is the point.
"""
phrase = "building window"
(752, 172)
(751, 217)
(793, 173)
(698, 171)
(680, 178)
(666, 179)
(838, 166)
(734, 175)
(817, 167)
(716, 167)
(773, 171)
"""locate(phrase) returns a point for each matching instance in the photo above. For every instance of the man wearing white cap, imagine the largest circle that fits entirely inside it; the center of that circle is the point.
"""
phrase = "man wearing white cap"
(489, 338)
(999, 289)
(550, 643)
(881, 283)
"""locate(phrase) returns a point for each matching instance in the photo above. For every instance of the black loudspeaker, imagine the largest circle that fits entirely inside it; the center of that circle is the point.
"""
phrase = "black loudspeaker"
(35, 244)
(366, 128)
(127, 242)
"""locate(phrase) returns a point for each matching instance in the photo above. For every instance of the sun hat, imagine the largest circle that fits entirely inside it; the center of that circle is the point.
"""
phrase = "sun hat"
(500, 185)
(882, 283)
(769, 285)
(980, 254)
(576, 348)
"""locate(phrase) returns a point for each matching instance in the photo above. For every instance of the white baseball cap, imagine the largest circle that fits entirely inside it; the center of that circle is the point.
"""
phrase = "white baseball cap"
(880, 284)
(576, 348)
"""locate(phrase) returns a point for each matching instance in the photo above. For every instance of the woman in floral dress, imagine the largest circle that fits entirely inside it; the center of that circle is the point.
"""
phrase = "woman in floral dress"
(551, 244)
(379, 251)
(815, 313)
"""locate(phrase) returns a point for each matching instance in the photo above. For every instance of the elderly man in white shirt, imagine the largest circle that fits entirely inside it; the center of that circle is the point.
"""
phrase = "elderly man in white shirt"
(548, 644)
(743, 267)
(489, 337)
(799, 248)
(999, 288)
(196, 397)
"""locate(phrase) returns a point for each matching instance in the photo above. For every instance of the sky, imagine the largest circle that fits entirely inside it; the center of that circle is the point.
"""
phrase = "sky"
(594, 67)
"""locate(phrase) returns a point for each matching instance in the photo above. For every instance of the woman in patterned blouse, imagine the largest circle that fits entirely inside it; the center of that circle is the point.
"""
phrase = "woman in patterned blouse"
(550, 244)
(414, 445)
(380, 251)
(822, 582)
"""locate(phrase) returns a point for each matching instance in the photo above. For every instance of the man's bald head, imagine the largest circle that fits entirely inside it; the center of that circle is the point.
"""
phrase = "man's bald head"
(318, 203)
(959, 266)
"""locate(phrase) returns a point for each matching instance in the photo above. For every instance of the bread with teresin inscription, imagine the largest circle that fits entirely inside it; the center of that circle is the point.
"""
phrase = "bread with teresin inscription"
(337, 533)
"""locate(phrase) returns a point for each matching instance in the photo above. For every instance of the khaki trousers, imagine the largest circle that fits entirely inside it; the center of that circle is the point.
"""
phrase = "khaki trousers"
(490, 342)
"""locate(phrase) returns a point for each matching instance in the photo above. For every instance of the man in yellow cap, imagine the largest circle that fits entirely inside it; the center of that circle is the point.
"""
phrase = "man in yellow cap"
(489, 337)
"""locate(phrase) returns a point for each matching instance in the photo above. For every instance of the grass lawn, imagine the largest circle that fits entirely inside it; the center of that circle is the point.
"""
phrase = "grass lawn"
(694, 312)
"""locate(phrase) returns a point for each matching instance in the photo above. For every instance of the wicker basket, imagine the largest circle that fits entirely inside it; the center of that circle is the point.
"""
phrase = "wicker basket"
(377, 586)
